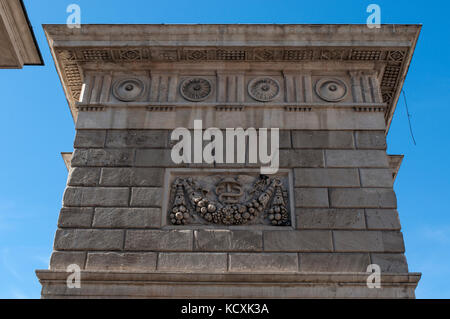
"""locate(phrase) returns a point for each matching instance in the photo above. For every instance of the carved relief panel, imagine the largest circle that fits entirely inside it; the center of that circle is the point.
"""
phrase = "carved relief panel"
(228, 198)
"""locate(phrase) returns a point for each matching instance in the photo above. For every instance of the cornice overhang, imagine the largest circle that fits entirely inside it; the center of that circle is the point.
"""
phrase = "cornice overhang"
(67, 158)
(388, 50)
(18, 46)
(395, 161)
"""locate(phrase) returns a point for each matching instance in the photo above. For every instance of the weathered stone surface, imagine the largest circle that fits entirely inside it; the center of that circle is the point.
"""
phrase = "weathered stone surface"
(268, 263)
(102, 157)
(84, 176)
(127, 218)
(115, 261)
(363, 198)
(330, 218)
(285, 139)
(374, 177)
(75, 217)
(390, 263)
(384, 219)
(92, 239)
(301, 240)
(148, 196)
(311, 197)
(125, 176)
(154, 158)
(358, 241)
(198, 285)
(370, 140)
(61, 259)
(368, 241)
(137, 138)
(326, 177)
(89, 138)
(356, 158)
(159, 240)
(393, 241)
(192, 262)
(227, 240)
(96, 196)
(335, 262)
(301, 158)
(322, 139)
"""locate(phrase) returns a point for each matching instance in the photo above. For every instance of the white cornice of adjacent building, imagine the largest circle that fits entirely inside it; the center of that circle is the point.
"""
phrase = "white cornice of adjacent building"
(18, 46)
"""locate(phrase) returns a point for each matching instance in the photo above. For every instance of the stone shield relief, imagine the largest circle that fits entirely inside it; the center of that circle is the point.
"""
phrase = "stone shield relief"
(229, 199)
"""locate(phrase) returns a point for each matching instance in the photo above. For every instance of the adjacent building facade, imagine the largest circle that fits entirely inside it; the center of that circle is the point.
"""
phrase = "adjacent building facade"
(18, 46)
(138, 224)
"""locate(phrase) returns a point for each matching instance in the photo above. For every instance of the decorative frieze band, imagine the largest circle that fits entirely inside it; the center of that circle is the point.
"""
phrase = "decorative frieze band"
(242, 89)
(231, 54)
(295, 88)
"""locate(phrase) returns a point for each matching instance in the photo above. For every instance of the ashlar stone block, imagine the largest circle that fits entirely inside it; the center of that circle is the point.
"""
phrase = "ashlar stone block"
(326, 177)
(383, 219)
(228, 240)
(323, 139)
(356, 158)
(88, 239)
(267, 263)
(390, 263)
(127, 218)
(137, 138)
(192, 262)
(102, 157)
(363, 198)
(154, 158)
(159, 240)
(60, 260)
(299, 241)
(370, 140)
(301, 158)
(373, 177)
(148, 196)
(75, 217)
(126, 176)
(96, 196)
(115, 261)
(330, 218)
(89, 138)
(311, 197)
(368, 241)
(334, 262)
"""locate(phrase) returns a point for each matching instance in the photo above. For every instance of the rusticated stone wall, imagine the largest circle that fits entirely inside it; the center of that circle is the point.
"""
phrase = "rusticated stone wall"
(345, 209)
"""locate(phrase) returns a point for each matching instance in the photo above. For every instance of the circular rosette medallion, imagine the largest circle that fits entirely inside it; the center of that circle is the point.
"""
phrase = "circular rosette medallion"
(263, 89)
(128, 90)
(331, 90)
(195, 89)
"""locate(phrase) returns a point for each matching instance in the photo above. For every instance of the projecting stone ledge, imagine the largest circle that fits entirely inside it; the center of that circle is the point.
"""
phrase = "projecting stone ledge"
(249, 285)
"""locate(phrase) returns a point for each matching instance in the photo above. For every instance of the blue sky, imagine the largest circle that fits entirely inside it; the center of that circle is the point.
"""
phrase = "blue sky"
(35, 126)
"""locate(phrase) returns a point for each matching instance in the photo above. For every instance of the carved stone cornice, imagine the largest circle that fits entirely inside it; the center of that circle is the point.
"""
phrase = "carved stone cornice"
(388, 51)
